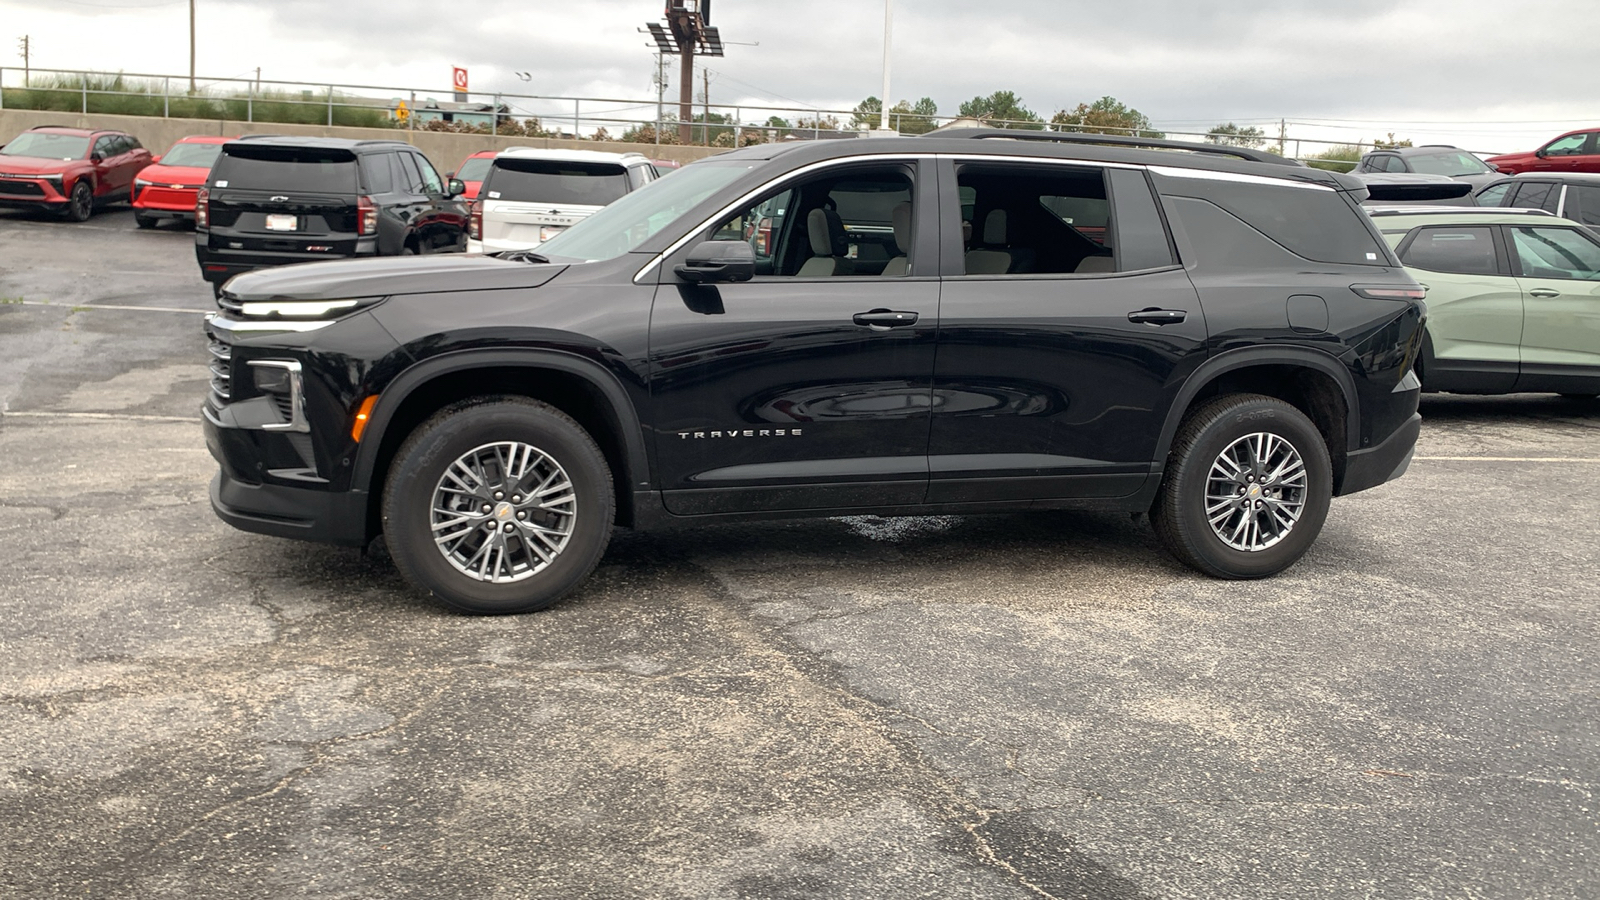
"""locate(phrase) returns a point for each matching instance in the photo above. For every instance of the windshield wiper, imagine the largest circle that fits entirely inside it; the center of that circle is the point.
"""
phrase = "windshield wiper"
(527, 256)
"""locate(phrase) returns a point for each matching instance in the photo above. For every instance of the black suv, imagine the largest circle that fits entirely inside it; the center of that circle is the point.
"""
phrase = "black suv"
(274, 200)
(891, 326)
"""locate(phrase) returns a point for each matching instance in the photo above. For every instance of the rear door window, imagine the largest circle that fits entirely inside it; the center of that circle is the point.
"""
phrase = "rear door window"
(555, 181)
(1583, 204)
(1547, 252)
(1025, 220)
(1495, 195)
(410, 175)
(321, 171)
(1538, 195)
(430, 177)
(1458, 250)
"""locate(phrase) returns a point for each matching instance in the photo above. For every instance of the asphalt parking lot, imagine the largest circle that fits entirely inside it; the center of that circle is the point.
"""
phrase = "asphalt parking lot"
(1023, 706)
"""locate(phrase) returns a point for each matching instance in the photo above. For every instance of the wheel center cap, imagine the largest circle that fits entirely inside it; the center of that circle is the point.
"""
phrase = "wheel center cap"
(504, 511)
(1255, 491)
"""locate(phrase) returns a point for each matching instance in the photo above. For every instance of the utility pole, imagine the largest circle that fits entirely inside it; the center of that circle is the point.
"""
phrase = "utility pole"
(661, 90)
(1283, 135)
(688, 31)
(25, 62)
(705, 97)
(191, 46)
(888, 28)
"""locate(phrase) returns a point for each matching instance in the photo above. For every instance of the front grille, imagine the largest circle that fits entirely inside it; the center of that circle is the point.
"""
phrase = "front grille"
(221, 370)
(21, 188)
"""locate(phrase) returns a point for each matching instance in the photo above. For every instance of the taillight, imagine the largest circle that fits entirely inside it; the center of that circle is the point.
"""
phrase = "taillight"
(475, 221)
(1390, 292)
(369, 215)
(202, 209)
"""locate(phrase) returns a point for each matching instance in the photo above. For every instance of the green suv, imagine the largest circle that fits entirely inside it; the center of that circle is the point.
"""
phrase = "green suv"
(1513, 298)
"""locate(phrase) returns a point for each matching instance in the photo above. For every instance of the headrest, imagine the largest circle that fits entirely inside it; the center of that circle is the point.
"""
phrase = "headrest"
(825, 230)
(994, 227)
(900, 217)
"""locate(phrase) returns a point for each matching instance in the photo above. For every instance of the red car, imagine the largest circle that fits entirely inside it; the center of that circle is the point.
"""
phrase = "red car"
(1575, 151)
(168, 187)
(68, 170)
(472, 171)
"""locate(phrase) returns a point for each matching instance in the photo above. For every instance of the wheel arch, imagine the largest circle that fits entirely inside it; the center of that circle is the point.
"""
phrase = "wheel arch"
(579, 387)
(1316, 383)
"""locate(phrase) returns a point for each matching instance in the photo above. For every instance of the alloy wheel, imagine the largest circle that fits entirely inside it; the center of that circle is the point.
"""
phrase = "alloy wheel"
(1255, 491)
(502, 512)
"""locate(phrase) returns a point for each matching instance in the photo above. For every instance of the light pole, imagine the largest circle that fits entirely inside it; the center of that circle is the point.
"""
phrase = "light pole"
(191, 46)
(888, 28)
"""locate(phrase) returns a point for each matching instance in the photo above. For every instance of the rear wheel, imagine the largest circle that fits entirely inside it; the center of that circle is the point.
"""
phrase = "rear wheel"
(1246, 490)
(80, 203)
(144, 221)
(498, 505)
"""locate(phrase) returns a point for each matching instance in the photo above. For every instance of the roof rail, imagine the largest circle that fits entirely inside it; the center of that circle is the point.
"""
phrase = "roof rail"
(1115, 140)
(1379, 211)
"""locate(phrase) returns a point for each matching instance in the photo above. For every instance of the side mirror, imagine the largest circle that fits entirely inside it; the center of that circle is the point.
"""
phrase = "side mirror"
(711, 261)
(454, 187)
(1540, 153)
(95, 157)
(449, 176)
(154, 160)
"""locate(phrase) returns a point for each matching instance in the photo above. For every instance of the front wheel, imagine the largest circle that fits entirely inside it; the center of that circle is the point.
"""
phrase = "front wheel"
(144, 221)
(80, 203)
(498, 505)
(1246, 490)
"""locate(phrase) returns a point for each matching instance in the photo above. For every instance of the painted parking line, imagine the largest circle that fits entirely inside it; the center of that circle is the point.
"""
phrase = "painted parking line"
(80, 307)
(1526, 459)
(116, 417)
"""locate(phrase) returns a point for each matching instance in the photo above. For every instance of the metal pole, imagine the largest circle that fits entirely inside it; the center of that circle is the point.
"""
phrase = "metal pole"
(685, 92)
(2, 87)
(577, 118)
(250, 99)
(83, 82)
(191, 46)
(166, 98)
(888, 26)
(330, 106)
(738, 128)
(494, 117)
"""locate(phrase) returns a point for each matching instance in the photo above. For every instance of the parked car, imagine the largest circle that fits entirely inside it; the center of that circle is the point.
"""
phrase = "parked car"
(72, 171)
(1575, 151)
(1431, 159)
(471, 173)
(531, 195)
(170, 185)
(1410, 189)
(1570, 195)
(1232, 351)
(274, 200)
(1513, 299)
(665, 166)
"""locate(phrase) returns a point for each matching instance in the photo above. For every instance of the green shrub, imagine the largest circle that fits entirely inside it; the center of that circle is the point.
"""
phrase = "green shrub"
(120, 96)
(1336, 159)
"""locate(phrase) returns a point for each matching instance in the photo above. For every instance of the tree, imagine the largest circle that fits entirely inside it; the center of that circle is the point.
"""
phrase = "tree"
(1236, 136)
(867, 114)
(917, 118)
(1108, 115)
(1003, 109)
(777, 122)
(1391, 143)
(818, 122)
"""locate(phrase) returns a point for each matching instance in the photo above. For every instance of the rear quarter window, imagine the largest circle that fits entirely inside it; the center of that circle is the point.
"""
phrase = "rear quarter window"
(1313, 223)
(286, 168)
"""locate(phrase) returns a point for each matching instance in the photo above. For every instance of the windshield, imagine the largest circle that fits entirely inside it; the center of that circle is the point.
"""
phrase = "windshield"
(474, 169)
(555, 181)
(198, 156)
(46, 145)
(1453, 163)
(286, 168)
(629, 222)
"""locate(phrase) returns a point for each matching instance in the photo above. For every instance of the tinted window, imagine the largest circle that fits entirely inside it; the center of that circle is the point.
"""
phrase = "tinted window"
(410, 175)
(1538, 195)
(555, 181)
(377, 173)
(133, 142)
(1495, 195)
(120, 145)
(1020, 220)
(1141, 238)
(474, 169)
(105, 147)
(853, 215)
(1447, 162)
(1317, 224)
(1223, 242)
(1547, 252)
(45, 145)
(1464, 251)
(1571, 145)
(199, 156)
(286, 168)
(1583, 204)
(430, 178)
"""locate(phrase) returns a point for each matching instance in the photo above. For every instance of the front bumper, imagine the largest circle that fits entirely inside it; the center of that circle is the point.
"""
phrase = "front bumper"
(320, 516)
(1384, 463)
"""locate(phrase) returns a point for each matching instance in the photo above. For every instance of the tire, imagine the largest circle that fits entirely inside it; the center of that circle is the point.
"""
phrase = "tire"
(1277, 531)
(80, 203)
(408, 249)
(144, 221)
(496, 561)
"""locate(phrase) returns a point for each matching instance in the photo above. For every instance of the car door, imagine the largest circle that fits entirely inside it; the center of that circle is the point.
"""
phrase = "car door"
(1558, 155)
(104, 158)
(1063, 319)
(806, 387)
(1558, 270)
(440, 221)
(1475, 306)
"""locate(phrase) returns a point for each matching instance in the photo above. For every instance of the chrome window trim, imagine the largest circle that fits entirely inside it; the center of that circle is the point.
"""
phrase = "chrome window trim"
(1210, 175)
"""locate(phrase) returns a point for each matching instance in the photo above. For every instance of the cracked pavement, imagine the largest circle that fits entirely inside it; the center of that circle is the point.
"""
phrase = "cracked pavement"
(1023, 706)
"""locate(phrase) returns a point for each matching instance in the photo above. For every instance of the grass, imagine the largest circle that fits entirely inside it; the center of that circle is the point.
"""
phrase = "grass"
(1336, 159)
(120, 96)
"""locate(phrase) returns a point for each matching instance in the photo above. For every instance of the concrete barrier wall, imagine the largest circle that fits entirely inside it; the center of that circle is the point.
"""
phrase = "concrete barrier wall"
(444, 149)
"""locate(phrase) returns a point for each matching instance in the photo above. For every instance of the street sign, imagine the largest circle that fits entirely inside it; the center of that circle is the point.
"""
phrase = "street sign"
(459, 79)
(401, 112)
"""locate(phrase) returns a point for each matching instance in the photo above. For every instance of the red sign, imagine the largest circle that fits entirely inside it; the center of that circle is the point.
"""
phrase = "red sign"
(459, 77)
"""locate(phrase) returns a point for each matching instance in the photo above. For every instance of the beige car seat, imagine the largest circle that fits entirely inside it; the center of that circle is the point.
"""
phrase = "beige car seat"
(900, 217)
(825, 230)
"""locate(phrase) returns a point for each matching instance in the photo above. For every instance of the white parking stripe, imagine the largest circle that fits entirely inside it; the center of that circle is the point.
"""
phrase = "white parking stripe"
(83, 306)
(45, 414)
(1532, 459)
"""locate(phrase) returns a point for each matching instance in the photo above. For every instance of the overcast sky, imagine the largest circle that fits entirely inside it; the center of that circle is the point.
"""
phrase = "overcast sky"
(1485, 75)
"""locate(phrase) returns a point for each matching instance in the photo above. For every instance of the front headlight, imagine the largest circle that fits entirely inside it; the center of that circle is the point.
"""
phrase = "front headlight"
(49, 176)
(299, 309)
(140, 182)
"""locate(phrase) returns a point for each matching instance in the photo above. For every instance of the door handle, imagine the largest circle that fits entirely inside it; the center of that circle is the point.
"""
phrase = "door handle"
(1153, 316)
(1544, 293)
(884, 319)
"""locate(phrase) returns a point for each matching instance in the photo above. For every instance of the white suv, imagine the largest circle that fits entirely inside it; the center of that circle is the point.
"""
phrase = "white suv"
(530, 195)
